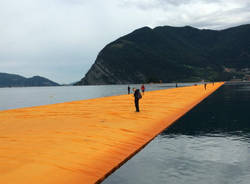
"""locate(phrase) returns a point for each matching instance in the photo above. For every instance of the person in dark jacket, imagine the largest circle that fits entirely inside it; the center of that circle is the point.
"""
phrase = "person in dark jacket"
(137, 96)
(128, 89)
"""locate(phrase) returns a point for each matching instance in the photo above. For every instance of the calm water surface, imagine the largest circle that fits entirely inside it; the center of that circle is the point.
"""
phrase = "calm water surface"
(11, 98)
(209, 145)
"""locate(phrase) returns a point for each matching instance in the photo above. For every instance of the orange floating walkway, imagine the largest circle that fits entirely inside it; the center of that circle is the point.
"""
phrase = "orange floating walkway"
(83, 141)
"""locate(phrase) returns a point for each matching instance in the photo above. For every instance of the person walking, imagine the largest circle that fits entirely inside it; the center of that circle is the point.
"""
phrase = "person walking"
(137, 96)
(128, 89)
(142, 88)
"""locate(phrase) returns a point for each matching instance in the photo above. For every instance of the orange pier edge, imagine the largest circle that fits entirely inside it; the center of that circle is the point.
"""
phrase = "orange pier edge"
(85, 141)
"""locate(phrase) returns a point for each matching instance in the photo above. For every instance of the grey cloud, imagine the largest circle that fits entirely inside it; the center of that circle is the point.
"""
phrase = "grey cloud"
(224, 19)
(162, 4)
(214, 14)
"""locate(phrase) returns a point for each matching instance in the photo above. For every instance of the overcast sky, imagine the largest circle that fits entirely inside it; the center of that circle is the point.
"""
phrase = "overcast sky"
(60, 39)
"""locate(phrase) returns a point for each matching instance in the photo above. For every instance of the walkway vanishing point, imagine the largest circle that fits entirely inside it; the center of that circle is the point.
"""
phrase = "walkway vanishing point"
(84, 141)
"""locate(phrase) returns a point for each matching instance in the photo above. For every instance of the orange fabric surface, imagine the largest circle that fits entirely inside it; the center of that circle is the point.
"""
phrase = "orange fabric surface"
(84, 141)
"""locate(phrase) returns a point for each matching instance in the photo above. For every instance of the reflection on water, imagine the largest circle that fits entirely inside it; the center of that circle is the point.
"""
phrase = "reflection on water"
(210, 144)
(227, 110)
(186, 159)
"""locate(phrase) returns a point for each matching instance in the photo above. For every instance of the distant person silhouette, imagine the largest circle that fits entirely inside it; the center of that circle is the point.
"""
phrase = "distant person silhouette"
(142, 88)
(205, 86)
(128, 89)
(176, 85)
(137, 96)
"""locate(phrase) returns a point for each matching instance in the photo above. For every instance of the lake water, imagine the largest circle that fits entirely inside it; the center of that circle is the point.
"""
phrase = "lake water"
(11, 98)
(210, 144)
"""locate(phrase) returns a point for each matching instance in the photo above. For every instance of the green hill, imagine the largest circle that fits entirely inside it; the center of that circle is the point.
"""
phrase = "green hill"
(13, 80)
(172, 54)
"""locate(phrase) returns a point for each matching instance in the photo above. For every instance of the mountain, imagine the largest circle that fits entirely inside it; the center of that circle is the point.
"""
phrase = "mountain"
(172, 54)
(13, 80)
